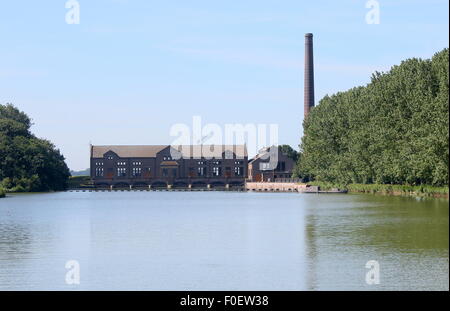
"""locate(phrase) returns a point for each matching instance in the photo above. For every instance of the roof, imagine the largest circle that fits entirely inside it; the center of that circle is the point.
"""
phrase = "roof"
(263, 153)
(187, 151)
(210, 151)
(142, 151)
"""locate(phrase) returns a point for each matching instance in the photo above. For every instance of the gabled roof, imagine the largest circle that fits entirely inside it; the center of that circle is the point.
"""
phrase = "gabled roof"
(187, 151)
(138, 151)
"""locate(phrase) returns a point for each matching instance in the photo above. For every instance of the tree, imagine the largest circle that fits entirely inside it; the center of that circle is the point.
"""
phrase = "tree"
(392, 131)
(28, 163)
(289, 151)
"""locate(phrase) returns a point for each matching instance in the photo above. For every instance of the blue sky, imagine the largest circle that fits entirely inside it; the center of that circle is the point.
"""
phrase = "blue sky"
(131, 69)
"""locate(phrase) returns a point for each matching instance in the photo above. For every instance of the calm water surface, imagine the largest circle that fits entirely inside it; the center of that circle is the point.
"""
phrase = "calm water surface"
(222, 241)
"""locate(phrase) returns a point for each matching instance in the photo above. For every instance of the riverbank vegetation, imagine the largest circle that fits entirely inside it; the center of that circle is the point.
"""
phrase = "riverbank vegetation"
(421, 190)
(80, 181)
(394, 131)
(27, 163)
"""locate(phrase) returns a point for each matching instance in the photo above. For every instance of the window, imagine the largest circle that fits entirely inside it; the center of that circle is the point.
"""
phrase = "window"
(136, 171)
(109, 157)
(121, 163)
(137, 163)
(238, 170)
(216, 162)
(265, 166)
(167, 158)
(98, 163)
(217, 171)
(121, 171)
(200, 162)
(99, 171)
(238, 162)
(165, 172)
(201, 171)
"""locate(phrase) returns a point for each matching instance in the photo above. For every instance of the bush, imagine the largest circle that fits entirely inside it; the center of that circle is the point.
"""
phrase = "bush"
(421, 190)
(2, 193)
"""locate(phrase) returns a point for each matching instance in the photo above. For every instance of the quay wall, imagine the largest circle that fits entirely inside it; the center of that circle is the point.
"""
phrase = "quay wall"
(276, 186)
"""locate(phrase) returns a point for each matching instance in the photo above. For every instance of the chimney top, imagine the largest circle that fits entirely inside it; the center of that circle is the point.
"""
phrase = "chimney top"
(308, 34)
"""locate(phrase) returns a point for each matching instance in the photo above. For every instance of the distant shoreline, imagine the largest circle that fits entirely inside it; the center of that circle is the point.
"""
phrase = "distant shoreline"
(378, 189)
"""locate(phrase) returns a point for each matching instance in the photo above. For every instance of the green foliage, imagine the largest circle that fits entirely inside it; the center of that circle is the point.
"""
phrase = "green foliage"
(392, 131)
(421, 190)
(2, 193)
(81, 181)
(289, 151)
(27, 163)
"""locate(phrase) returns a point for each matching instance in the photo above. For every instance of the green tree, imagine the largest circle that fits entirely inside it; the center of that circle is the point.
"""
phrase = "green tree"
(28, 163)
(392, 131)
(289, 151)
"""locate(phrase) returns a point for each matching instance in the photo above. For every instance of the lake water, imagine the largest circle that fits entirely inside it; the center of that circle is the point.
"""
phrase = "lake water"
(222, 241)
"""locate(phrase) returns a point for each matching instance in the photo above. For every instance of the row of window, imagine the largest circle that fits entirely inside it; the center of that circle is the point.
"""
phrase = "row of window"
(217, 171)
(138, 163)
(168, 158)
(136, 171)
(166, 172)
(121, 171)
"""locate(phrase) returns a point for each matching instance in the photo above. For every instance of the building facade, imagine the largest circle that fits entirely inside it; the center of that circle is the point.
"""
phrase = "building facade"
(261, 168)
(165, 166)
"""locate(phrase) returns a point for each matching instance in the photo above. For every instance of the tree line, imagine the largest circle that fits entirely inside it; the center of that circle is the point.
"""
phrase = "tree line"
(392, 131)
(27, 163)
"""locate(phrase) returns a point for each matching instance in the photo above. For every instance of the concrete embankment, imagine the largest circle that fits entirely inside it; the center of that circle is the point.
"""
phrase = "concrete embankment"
(276, 186)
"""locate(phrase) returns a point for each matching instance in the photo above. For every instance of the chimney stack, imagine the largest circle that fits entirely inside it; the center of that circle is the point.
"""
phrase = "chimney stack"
(309, 74)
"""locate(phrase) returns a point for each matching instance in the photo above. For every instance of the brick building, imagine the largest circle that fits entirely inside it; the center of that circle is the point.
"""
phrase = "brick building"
(260, 167)
(165, 166)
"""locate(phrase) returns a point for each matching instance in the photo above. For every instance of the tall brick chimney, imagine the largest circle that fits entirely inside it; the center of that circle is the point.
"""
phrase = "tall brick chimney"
(309, 74)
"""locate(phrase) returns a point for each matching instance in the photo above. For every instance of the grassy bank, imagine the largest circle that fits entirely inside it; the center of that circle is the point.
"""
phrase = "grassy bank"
(2, 193)
(423, 190)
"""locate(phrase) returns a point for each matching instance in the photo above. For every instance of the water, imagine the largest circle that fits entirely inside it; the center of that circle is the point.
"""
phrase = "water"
(222, 241)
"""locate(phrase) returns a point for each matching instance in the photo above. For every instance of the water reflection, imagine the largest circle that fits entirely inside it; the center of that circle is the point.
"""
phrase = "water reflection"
(222, 241)
(409, 238)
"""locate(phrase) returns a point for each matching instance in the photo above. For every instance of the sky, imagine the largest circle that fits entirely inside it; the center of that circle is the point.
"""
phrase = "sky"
(131, 69)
